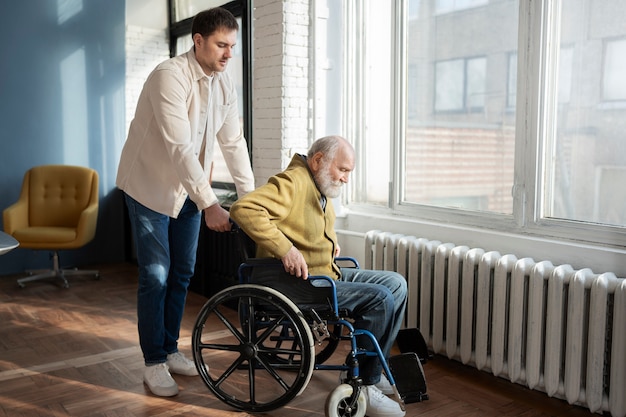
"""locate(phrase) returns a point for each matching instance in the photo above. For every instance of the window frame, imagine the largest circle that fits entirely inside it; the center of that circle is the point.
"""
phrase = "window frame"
(535, 105)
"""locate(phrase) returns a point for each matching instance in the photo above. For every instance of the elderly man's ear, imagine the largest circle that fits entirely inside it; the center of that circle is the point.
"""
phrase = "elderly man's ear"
(316, 161)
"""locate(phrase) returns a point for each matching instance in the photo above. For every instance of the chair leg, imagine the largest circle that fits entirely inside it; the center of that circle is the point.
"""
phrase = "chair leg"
(56, 272)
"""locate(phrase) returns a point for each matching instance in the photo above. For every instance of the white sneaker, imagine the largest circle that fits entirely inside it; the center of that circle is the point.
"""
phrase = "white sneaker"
(179, 364)
(384, 385)
(159, 380)
(379, 405)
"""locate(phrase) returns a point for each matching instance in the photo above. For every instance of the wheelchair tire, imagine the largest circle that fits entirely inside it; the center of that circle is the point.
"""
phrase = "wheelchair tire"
(236, 356)
(337, 403)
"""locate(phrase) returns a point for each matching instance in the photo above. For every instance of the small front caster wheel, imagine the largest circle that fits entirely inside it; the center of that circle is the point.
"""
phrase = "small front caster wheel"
(338, 403)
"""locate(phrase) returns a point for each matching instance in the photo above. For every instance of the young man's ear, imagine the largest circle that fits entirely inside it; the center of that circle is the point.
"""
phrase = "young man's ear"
(197, 37)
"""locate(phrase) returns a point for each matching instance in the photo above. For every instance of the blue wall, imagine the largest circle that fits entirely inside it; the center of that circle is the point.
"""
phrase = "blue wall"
(62, 71)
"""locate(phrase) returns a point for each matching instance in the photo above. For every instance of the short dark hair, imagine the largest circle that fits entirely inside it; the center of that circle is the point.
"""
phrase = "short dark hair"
(208, 21)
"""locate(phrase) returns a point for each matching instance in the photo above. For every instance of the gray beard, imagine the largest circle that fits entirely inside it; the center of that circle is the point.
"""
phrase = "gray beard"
(328, 187)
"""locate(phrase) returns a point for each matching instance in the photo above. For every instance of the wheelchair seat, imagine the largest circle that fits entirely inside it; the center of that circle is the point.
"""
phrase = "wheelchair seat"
(316, 293)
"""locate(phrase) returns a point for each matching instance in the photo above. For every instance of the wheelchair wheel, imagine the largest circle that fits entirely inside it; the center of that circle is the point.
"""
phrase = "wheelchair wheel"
(236, 355)
(338, 403)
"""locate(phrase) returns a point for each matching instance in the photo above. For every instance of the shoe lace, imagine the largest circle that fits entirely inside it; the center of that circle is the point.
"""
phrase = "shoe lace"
(375, 394)
(161, 373)
(180, 358)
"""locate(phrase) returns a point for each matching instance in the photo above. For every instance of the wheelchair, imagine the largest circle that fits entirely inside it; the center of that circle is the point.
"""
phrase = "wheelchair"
(257, 343)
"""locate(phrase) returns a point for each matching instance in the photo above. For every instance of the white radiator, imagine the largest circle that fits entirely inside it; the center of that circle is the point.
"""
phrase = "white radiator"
(551, 328)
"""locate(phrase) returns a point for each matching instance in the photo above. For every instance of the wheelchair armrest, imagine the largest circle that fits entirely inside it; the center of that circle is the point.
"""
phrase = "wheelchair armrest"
(329, 283)
(347, 262)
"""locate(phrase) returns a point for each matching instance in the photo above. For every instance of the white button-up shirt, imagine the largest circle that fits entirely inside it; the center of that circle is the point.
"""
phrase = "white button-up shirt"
(180, 109)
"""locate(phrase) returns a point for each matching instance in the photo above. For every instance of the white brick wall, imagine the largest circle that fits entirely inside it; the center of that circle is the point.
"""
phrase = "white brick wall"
(145, 49)
(281, 108)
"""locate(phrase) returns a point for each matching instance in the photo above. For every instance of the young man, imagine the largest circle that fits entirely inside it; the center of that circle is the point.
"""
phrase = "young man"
(292, 218)
(187, 103)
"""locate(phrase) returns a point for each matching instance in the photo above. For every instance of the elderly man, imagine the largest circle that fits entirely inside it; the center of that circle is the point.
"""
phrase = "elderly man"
(292, 218)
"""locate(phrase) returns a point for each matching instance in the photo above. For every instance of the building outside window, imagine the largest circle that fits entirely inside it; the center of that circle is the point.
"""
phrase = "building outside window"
(451, 120)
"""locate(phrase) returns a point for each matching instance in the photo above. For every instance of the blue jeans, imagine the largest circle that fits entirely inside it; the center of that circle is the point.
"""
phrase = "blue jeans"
(377, 300)
(166, 256)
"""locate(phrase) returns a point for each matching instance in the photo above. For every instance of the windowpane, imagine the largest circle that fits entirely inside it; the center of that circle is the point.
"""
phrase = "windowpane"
(459, 151)
(614, 86)
(512, 81)
(586, 164)
(184, 9)
(449, 85)
(445, 6)
(565, 74)
(476, 82)
(375, 135)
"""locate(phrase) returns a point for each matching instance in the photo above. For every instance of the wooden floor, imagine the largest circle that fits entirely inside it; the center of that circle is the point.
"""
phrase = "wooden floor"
(73, 352)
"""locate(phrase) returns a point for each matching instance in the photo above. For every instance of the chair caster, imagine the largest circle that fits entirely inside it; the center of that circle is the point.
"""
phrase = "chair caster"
(340, 402)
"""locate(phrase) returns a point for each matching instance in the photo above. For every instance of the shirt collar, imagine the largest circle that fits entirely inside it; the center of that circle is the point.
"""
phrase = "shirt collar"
(195, 67)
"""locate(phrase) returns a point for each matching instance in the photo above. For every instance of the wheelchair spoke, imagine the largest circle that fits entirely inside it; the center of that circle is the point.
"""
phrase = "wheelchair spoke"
(235, 365)
(229, 325)
(217, 346)
(292, 360)
(270, 369)
(271, 328)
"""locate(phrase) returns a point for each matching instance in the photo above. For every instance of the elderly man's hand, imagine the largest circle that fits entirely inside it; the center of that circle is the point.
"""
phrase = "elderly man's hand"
(295, 264)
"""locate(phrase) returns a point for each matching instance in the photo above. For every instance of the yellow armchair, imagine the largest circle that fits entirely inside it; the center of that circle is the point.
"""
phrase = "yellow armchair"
(57, 209)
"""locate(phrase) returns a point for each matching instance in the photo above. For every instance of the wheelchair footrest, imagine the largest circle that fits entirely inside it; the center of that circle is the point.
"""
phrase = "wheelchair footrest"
(408, 373)
(411, 340)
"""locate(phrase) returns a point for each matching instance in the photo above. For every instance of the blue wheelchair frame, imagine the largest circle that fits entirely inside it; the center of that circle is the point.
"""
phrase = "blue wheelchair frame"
(317, 311)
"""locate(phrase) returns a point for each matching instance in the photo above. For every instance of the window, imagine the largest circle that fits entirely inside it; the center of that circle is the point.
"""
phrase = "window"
(453, 123)
(614, 82)
(185, 9)
(512, 81)
(460, 154)
(460, 84)
(445, 6)
(586, 151)
(182, 13)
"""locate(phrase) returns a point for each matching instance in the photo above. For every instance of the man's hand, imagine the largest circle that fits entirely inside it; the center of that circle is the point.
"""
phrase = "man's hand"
(216, 218)
(295, 264)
